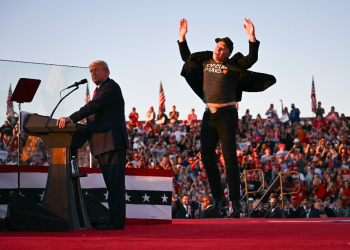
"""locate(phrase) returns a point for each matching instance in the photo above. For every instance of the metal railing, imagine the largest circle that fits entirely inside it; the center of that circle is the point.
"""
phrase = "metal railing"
(281, 196)
(246, 193)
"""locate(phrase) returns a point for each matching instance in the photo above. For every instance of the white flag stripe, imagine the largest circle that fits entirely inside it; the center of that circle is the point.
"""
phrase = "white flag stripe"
(28, 180)
(93, 181)
(159, 212)
(38, 180)
(148, 183)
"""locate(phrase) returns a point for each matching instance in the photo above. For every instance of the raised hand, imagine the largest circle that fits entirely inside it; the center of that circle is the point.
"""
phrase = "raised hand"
(182, 29)
(249, 29)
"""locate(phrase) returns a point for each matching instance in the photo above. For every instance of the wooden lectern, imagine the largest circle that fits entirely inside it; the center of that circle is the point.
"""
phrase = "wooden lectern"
(63, 195)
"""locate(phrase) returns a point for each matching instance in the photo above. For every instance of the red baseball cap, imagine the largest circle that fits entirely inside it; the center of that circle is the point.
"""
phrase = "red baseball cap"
(293, 198)
(343, 155)
(136, 155)
(268, 148)
(249, 176)
(255, 149)
(296, 169)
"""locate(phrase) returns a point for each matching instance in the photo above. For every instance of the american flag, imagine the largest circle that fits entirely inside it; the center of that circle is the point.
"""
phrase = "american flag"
(313, 96)
(87, 94)
(9, 102)
(161, 98)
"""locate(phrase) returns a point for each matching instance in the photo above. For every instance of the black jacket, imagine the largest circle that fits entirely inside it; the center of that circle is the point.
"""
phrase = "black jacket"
(249, 81)
(301, 213)
(106, 119)
(315, 213)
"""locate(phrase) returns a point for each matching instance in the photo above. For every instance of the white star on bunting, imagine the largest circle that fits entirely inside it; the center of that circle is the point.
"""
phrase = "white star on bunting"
(42, 196)
(106, 194)
(146, 198)
(127, 197)
(165, 199)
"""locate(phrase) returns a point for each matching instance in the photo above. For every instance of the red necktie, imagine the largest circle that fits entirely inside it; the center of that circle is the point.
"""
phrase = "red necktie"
(93, 95)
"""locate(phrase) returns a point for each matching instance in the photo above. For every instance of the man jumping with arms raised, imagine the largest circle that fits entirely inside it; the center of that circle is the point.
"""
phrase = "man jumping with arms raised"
(219, 81)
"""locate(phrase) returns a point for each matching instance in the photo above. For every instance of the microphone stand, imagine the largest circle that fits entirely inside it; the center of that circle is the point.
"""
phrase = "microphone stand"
(61, 99)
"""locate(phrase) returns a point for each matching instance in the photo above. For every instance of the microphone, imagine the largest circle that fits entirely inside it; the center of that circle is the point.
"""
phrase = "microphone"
(76, 84)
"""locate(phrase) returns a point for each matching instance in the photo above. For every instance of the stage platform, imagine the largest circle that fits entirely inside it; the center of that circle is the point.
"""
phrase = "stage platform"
(196, 234)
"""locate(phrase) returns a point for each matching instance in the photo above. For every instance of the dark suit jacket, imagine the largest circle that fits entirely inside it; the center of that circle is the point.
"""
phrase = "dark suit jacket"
(329, 212)
(106, 119)
(205, 214)
(276, 213)
(248, 81)
(315, 213)
(302, 213)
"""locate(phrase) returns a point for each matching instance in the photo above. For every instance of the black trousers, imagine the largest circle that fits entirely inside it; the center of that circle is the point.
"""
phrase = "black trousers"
(112, 165)
(222, 126)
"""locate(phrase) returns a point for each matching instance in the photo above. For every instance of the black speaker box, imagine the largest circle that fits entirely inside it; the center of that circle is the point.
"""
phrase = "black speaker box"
(25, 215)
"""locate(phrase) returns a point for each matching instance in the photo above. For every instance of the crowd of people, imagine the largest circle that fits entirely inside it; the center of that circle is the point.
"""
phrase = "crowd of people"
(312, 153)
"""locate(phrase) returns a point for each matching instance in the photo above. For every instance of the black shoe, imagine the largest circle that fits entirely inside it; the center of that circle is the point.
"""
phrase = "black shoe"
(109, 227)
(237, 206)
(219, 203)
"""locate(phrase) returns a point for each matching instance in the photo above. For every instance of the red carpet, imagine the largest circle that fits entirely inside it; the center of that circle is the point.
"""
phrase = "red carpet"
(195, 234)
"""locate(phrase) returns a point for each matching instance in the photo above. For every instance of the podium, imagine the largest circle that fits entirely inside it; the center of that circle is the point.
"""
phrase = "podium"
(63, 195)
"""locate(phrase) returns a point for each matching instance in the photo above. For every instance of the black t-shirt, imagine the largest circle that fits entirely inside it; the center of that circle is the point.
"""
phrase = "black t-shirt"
(7, 130)
(219, 83)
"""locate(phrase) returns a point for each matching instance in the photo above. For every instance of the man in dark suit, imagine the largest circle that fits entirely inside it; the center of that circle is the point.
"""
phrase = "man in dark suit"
(219, 81)
(304, 211)
(207, 213)
(339, 210)
(318, 212)
(108, 138)
(184, 208)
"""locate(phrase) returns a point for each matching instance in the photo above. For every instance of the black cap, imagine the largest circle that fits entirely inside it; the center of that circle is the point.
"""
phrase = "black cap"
(228, 42)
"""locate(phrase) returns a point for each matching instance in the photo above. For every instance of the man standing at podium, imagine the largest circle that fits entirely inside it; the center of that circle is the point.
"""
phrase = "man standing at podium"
(108, 138)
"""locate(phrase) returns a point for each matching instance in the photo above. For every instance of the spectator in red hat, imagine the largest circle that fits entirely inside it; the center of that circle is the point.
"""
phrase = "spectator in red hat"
(173, 115)
(150, 116)
(256, 164)
(282, 152)
(282, 163)
(293, 201)
(333, 112)
(136, 160)
(271, 113)
(318, 110)
(192, 118)
(343, 163)
(252, 185)
(134, 117)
